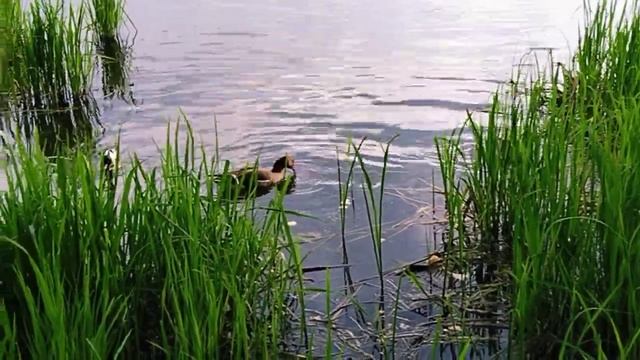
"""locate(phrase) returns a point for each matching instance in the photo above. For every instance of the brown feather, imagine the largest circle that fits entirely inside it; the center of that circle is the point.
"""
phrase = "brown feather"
(266, 177)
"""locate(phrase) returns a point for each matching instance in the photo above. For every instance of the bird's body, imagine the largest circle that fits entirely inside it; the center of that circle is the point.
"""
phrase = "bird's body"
(109, 163)
(109, 159)
(265, 178)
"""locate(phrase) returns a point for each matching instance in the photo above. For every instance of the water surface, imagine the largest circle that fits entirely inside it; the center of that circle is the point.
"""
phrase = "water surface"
(304, 77)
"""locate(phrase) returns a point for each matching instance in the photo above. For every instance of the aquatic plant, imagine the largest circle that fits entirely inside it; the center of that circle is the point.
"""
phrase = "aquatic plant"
(551, 187)
(6, 17)
(106, 17)
(160, 265)
(51, 66)
(50, 71)
(374, 209)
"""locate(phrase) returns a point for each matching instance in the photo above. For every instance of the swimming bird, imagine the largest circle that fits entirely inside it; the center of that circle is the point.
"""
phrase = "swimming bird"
(109, 160)
(265, 178)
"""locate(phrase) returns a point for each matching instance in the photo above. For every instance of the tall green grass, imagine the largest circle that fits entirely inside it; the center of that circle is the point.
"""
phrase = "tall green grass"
(107, 16)
(51, 63)
(552, 184)
(6, 17)
(48, 51)
(160, 265)
(47, 64)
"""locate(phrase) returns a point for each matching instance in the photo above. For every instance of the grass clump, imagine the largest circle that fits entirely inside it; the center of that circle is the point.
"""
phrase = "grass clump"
(107, 16)
(552, 185)
(47, 64)
(6, 16)
(51, 66)
(160, 265)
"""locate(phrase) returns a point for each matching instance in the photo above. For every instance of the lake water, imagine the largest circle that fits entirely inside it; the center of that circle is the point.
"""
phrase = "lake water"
(304, 77)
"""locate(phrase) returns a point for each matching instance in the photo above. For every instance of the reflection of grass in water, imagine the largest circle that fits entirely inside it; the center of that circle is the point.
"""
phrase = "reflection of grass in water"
(152, 269)
(59, 130)
(552, 186)
(115, 60)
(107, 16)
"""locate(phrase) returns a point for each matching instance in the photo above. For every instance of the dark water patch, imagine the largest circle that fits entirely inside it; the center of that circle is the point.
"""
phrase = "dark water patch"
(346, 88)
(445, 104)
(494, 81)
(300, 115)
(314, 96)
(443, 78)
(309, 126)
(456, 78)
(366, 96)
(474, 91)
(358, 95)
(297, 88)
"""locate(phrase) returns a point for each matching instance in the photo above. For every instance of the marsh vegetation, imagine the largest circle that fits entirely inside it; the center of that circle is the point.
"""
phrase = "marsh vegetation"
(161, 267)
(549, 192)
(533, 251)
(48, 66)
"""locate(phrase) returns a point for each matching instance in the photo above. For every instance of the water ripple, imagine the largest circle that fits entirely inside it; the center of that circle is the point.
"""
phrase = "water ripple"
(446, 104)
